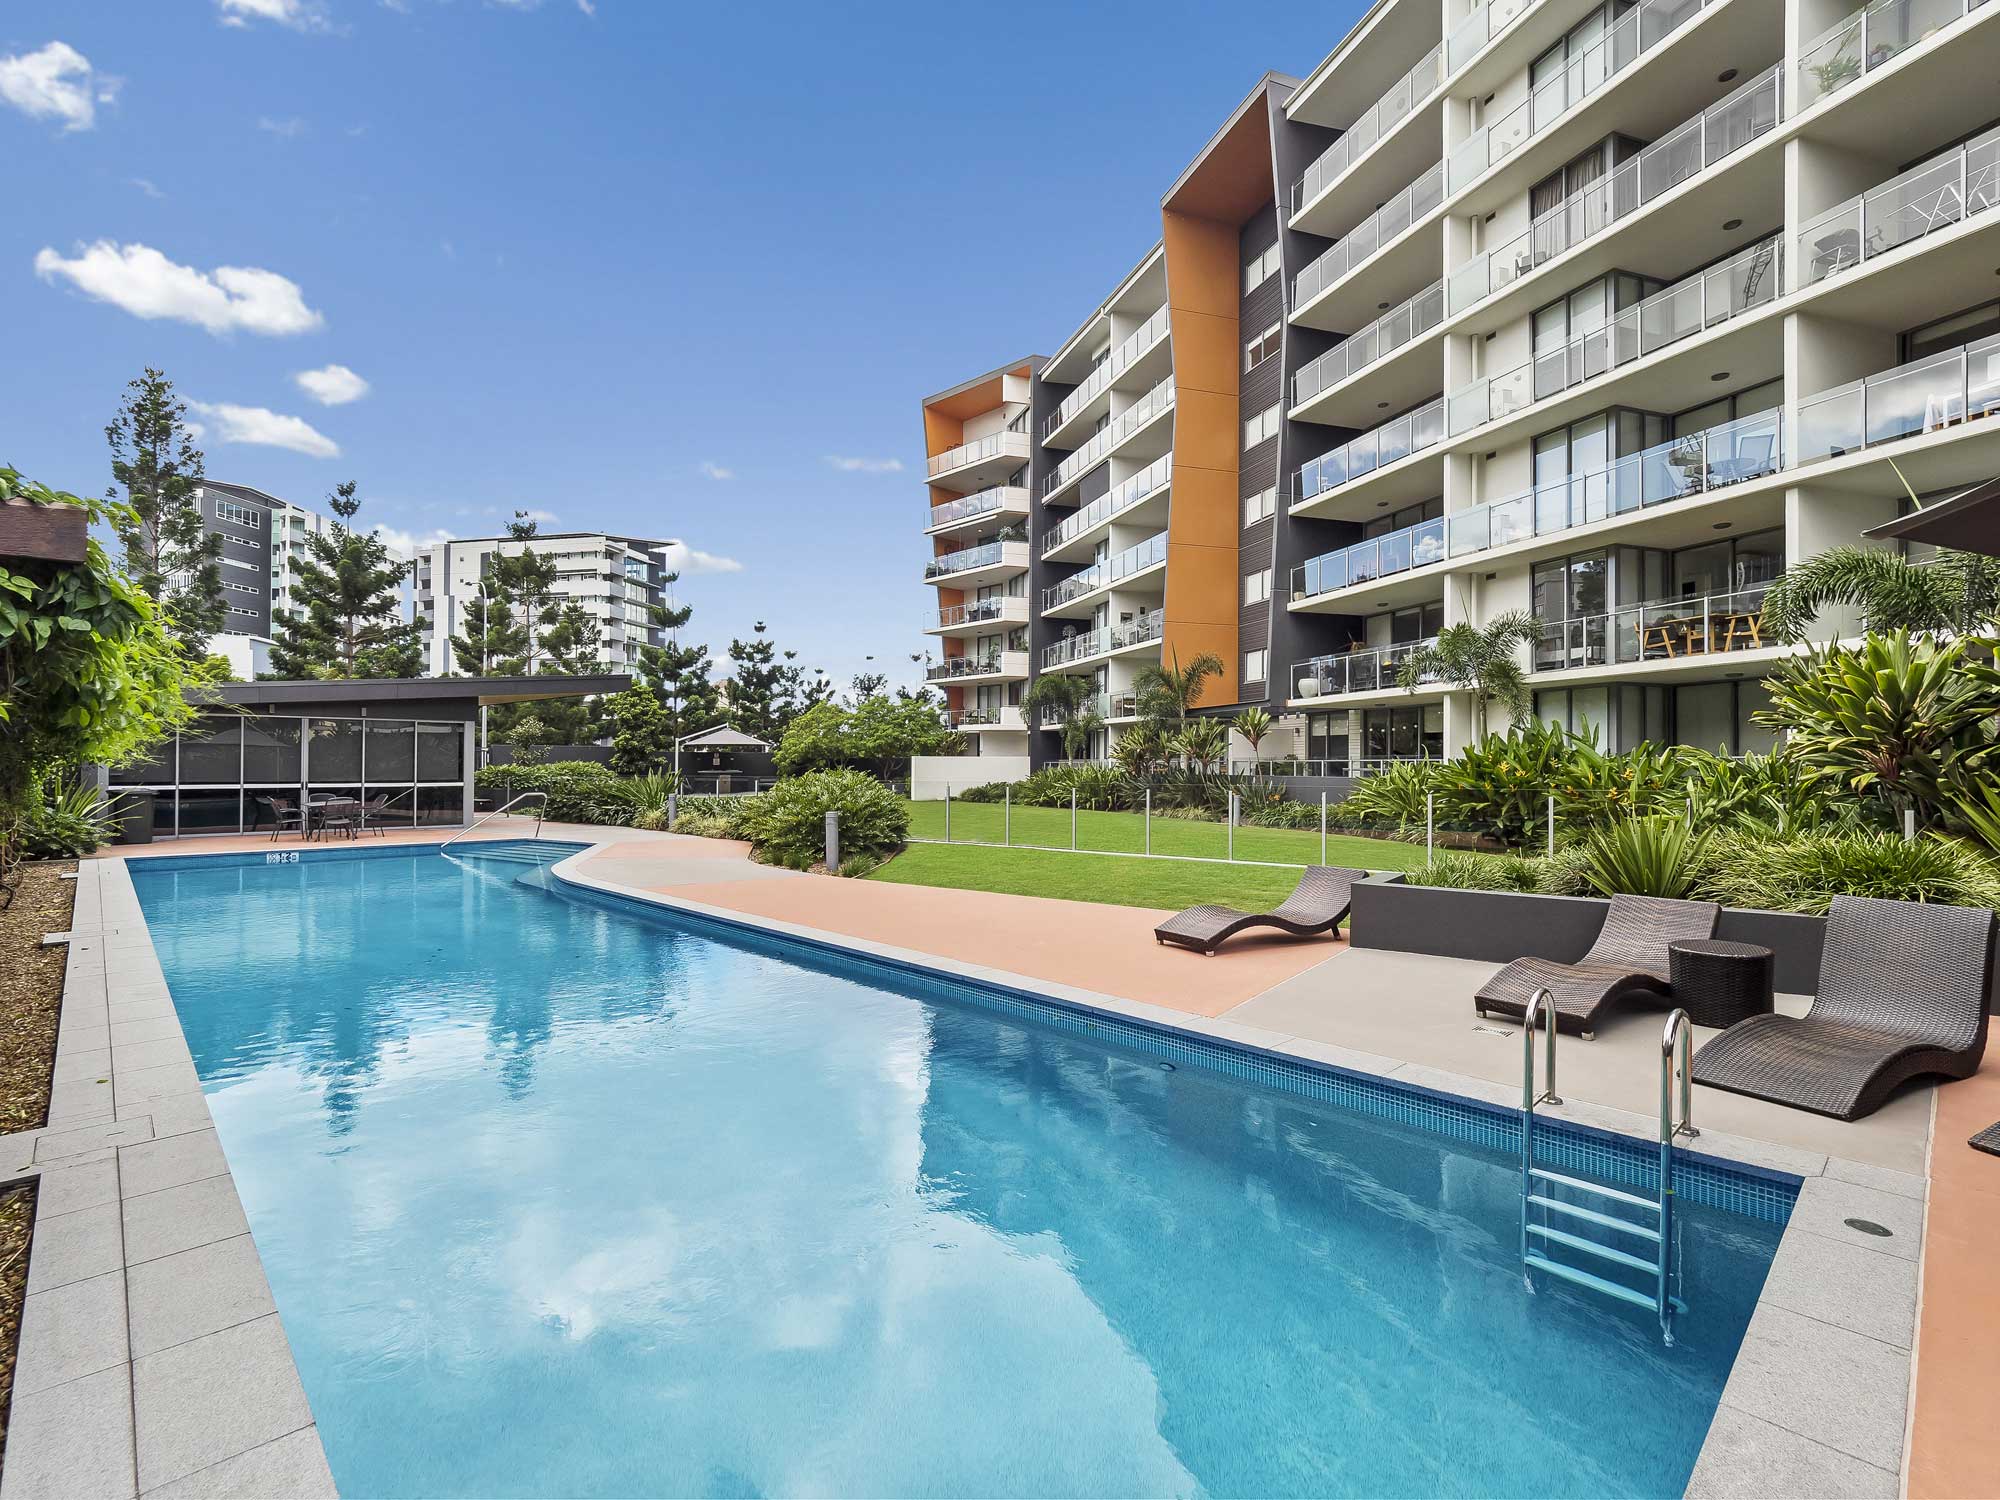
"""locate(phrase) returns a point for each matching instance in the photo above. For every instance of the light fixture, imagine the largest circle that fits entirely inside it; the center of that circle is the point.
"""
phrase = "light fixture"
(1381, 504)
(1381, 405)
(1381, 307)
(1729, 224)
(1727, 75)
(1719, 375)
(1732, 675)
(1722, 525)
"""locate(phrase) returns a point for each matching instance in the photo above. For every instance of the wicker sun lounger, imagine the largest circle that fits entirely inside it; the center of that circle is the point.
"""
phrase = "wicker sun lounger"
(1902, 992)
(1628, 959)
(1318, 905)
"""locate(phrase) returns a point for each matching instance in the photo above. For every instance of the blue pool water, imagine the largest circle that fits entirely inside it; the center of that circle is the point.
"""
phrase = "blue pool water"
(560, 1198)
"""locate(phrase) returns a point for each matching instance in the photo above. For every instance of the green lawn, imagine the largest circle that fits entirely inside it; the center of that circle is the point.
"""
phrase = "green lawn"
(1109, 878)
(1124, 833)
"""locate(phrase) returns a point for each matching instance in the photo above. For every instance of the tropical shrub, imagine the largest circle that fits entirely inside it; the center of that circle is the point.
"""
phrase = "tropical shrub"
(1594, 785)
(714, 817)
(1279, 812)
(787, 825)
(1501, 784)
(986, 791)
(1655, 856)
(1139, 751)
(67, 825)
(1395, 795)
(652, 819)
(1097, 788)
(1563, 872)
(1453, 870)
(1202, 744)
(1804, 874)
(879, 733)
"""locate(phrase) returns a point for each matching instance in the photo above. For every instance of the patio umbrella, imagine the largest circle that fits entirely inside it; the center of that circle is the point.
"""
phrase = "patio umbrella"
(1968, 522)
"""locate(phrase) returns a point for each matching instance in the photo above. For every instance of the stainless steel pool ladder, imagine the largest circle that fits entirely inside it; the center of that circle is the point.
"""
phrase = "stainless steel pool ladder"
(1609, 1208)
(489, 817)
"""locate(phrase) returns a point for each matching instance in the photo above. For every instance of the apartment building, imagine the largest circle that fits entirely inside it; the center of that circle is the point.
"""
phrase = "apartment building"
(264, 539)
(1608, 313)
(618, 579)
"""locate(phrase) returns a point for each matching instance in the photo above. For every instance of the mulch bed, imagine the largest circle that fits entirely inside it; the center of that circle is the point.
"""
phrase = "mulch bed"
(31, 979)
(17, 1220)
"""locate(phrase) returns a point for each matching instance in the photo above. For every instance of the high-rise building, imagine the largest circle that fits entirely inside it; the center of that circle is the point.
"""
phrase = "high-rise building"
(1606, 314)
(618, 579)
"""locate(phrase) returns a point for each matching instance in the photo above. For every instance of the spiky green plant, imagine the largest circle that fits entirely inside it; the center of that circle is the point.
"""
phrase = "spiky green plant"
(1656, 856)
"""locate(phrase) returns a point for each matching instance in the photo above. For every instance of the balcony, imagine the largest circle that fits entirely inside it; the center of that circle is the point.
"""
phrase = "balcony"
(1121, 500)
(1748, 280)
(997, 666)
(1688, 150)
(1486, 22)
(1629, 38)
(1002, 500)
(989, 562)
(1365, 240)
(1390, 443)
(1110, 707)
(980, 617)
(982, 463)
(1928, 395)
(1134, 348)
(1106, 639)
(1940, 193)
(1006, 717)
(1395, 552)
(1149, 554)
(1394, 330)
(1370, 671)
(1381, 117)
(1689, 631)
(1869, 39)
(1155, 403)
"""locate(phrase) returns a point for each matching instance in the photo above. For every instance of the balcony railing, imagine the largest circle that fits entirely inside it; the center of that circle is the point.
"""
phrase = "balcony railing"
(1370, 671)
(1748, 280)
(1924, 396)
(978, 612)
(1934, 196)
(954, 667)
(1662, 630)
(1404, 95)
(1370, 235)
(1141, 486)
(1870, 37)
(1629, 38)
(1147, 554)
(1104, 705)
(1136, 632)
(1354, 766)
(1486, 22)
(1378, 557)
(1159, 399)
(1008, 444)
(1683, 152)
(1108, 369)
(978, 503)
(1008, 716)
(966, 558)
(1410, 433)
(1378, 340)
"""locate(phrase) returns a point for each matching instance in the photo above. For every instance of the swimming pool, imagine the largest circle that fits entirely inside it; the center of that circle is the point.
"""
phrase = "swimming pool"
(561, 1196)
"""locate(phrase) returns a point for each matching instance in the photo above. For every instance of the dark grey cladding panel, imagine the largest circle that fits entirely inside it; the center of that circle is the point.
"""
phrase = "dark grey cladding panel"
(1258, 233)
(1043, 400)
(1094, 485)
(1264, 306)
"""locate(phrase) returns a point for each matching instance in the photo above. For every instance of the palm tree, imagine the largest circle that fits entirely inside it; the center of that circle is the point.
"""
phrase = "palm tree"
(1955, 593)
(1167, 693)
(1253, 724)
(1203, 743)
(1066, 698)
(1483, 660)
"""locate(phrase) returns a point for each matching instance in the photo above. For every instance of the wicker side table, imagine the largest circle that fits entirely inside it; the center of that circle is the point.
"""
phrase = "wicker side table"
(1719, 983)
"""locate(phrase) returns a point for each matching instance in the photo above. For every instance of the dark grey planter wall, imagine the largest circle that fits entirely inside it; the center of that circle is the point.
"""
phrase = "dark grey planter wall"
(1499, 927)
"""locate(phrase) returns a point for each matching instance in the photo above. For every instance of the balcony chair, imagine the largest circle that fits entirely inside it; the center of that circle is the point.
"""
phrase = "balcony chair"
(1628, 960)
(1319, 904)
(285, 813)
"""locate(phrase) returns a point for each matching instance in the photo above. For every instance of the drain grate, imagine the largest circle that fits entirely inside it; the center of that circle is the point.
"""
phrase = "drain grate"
(1492, 1031)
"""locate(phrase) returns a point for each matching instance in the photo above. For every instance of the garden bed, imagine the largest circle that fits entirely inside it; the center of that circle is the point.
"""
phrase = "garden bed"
(17, 1222)
(31, 980)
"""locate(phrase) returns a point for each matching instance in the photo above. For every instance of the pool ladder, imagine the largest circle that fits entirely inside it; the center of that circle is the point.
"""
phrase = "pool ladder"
(1647, 1222)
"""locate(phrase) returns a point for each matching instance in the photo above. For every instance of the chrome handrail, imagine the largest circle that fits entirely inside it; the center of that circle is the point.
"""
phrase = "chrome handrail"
(1678, 1029)
(489, 817)
(1541, 1005)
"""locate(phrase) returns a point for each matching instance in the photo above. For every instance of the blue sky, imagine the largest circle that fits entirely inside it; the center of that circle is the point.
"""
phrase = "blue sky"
(656, 268)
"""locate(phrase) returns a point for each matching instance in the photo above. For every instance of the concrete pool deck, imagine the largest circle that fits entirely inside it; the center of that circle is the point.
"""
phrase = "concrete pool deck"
(1819, 1401)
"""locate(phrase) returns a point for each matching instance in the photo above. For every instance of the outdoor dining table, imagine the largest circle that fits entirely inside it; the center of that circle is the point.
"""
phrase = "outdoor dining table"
(1738, 629)
(321, 811)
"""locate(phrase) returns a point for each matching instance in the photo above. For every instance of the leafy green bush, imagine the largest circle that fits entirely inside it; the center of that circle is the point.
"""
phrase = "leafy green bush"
(1563, 873)
(1501, 784)
(652, 819)
(1097, 788)
(65, 826)
(714, 817)
(787, 825)
(1452, 870)
(1394, 796)
(1278, 812)
(986, 791)
(1804, 874)
(579, 791)
(1656, 856)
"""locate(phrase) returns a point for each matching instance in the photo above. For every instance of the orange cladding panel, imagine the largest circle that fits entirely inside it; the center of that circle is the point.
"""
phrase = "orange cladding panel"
(941, 432)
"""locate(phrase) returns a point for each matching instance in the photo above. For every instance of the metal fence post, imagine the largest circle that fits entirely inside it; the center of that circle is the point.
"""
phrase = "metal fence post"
(1149, 820)
(947, 812)
(1552, 822)
(673, 809)
(1430, 828)
(1230, 849)
(833, 842)
(1322, 827)
(1007, 816)
(1909, 825)
(1072, 820)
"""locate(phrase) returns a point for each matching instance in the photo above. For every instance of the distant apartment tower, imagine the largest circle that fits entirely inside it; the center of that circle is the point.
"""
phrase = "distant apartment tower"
(263, 540)
(1607, 314)
(617, 578)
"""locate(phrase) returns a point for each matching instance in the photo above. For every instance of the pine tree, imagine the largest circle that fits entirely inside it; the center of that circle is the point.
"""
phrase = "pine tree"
(167, 552)
(492, 643)
(351, 624)
(756, 686)
(572, 641)
(677, 675)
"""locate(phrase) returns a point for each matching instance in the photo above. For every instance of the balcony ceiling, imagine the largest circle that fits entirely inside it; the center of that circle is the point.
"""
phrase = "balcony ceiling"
(1935, 94)
(1386, 45)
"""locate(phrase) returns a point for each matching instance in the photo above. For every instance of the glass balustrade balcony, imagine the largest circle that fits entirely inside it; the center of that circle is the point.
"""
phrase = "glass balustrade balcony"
(1659, 631)
(1381, 117)
(1004, 608)
(1158, 400)
(1472, 34)
(1686, 151)
(1005, 716)
(1135, 344)
(1364, 562)
(1136, 632)
(990, 664)
(1954, 187)
(1927, 395)
(985, 555)
(1868, 39)
(1371, 671)
(1629, 38)
(1388, 333)
(981, 503)
(998, 445)
(1369, 236)
(1147, 554)
(1751, 279)
(1141, 487)
(1410, 433)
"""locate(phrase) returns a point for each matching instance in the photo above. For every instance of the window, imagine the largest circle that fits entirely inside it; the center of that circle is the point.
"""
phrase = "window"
(1261, 428)
(1253, 665)
(241, 515)
(1260, 505)
(1264, 346)
(1260, 270)
(1257, 587)
(243, 588)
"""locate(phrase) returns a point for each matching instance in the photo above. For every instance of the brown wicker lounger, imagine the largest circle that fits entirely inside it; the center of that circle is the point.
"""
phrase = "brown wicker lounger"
(1318, 905)
(1628, 959)
(1902, 992)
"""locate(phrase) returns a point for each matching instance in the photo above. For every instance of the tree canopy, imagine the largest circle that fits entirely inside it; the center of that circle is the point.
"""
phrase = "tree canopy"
(878, 734)
(350, 623)
(169, 555)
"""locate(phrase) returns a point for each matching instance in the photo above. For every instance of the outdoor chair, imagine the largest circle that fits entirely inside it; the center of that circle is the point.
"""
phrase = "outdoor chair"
(371, 813)
(1318, 905)
(343, 816)
(1628, 960)
(284, 814)
(1903, 991)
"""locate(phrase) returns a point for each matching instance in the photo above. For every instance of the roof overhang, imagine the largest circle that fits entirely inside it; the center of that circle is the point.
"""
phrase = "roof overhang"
(982, 393)
(722, 737)
(1968, 522)
(393, 690)
(1231, 177)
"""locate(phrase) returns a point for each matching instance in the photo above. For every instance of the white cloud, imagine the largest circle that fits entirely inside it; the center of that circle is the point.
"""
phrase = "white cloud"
(541, 517)
(715, 470)
(331, 385)
(145, 187)
(686, 560)
(406, 543)
(865, 465)
(300, 15)
(261, 427)
(55, 83)
(146, 284)
(284, 129)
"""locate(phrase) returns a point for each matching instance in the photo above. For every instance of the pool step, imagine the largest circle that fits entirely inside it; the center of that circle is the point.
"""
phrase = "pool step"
(539, 854)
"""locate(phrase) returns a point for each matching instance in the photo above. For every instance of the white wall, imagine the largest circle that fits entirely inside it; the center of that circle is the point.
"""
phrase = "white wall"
(931, 774)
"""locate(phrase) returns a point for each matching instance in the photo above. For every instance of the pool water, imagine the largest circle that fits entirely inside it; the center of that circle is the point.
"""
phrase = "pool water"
(559, 1198)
